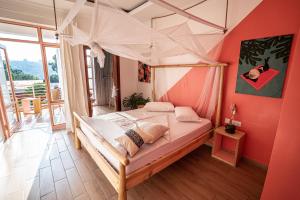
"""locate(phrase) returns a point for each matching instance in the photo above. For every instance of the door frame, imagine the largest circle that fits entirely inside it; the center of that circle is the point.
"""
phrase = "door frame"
(117, 82)
(43, 46)
(4, 120)
(46, 76)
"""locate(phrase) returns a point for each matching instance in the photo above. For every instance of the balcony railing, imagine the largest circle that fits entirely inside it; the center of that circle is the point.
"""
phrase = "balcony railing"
(30, 89)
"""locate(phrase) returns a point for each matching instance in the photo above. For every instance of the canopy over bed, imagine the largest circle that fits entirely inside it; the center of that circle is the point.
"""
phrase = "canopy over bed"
(121, 34)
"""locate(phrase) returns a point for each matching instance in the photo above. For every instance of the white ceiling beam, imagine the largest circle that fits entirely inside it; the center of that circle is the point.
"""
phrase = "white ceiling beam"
(141, 8)
(181, 12)
(71, 15)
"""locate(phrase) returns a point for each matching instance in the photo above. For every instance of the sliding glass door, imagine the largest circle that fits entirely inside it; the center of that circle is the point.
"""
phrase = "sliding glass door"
(55, 79)
(35, 72)
(9, 109)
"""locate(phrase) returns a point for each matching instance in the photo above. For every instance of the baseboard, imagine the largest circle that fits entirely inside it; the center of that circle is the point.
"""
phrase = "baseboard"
(255, 163)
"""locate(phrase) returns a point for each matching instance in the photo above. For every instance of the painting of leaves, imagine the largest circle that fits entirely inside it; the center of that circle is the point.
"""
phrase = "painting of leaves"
(262, 65)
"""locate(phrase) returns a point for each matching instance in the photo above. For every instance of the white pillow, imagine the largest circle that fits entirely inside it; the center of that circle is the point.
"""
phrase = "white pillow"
(159, 107)
(150, 132)
(186, 114)
(145, 132)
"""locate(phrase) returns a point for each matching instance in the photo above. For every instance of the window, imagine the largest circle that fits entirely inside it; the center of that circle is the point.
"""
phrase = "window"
(90, 73)
(11, 31)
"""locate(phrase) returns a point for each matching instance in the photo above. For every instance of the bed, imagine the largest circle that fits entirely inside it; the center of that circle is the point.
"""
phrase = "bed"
(180, 134)
(123, 172)
(120, 169)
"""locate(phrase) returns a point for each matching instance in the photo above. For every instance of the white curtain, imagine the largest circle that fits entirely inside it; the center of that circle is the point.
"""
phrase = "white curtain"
(103, 81)
(207, 100)
(74, 83)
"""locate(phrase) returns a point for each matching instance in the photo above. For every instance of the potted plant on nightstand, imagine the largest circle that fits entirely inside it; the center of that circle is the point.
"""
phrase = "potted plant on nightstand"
(134, 101)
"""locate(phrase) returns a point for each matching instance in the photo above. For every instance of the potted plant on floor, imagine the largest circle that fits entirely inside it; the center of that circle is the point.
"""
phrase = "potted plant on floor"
(134, 101)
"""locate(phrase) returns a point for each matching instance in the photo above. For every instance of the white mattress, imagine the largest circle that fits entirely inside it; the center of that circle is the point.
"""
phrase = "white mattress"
(180, 134)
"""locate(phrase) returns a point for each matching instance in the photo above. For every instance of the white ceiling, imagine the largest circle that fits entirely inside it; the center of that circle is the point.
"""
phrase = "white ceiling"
(41, 11)
(148, 11)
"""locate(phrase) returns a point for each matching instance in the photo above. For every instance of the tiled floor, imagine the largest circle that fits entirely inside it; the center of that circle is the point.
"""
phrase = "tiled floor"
(100, 110)
(36, 164)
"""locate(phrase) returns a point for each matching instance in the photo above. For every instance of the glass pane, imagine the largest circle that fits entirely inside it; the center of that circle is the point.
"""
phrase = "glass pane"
(90, 72)
(49, 36)
(56, 83)
(28, 74)
(6, 72)
(55, 73)
(88, 59)
(58, 111)
(4, 80)
(88, 52)
(6, 92)
(90, 83)
(18, 32)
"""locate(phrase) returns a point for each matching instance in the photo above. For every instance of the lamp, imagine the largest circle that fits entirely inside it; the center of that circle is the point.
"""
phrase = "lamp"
(230, 128)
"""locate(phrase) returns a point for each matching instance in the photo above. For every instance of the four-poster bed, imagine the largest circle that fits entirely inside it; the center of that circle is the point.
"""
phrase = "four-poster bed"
(117, 175)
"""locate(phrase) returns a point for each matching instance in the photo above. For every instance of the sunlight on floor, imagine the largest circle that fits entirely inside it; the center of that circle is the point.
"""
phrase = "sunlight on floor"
(21, 157)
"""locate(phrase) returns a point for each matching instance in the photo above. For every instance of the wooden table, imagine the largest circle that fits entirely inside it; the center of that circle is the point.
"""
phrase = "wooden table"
(229, 157)
(35, 108)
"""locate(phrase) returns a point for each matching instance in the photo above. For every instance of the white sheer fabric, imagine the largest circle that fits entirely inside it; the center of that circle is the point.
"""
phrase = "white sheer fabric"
(74, 84)
(207, 101)
(121, 34)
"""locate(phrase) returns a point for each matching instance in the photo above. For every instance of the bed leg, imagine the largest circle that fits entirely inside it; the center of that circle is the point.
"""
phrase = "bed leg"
(76, 139)
(122, 194)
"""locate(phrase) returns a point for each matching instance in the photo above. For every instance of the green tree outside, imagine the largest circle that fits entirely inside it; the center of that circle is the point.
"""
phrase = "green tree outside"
(18, 75)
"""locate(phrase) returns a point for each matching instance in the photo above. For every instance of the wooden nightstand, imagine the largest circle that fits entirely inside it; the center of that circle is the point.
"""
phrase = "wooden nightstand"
(226, 156)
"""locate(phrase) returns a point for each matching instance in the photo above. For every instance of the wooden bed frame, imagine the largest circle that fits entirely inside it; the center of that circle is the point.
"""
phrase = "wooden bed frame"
(118, 178)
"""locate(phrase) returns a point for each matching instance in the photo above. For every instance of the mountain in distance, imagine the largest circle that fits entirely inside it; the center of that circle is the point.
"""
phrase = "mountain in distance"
(30, 67)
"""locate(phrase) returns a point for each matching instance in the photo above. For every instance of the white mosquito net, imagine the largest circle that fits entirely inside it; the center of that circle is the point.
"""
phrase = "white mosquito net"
(121, 34)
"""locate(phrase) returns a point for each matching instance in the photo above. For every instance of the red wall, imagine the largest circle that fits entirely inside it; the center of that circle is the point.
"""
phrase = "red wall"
(283, 177)
(259, 115)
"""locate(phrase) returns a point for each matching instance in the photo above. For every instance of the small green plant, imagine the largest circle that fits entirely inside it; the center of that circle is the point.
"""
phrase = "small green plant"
(134, 100)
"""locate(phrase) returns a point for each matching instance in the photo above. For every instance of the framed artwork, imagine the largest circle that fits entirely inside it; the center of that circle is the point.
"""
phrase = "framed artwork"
(144, 72)
(262, 66)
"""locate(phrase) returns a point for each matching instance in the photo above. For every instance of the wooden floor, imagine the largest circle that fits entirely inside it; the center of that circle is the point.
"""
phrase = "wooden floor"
(36, 164)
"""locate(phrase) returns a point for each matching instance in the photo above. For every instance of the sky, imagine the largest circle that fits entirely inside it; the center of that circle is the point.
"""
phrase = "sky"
(17, 51)
(30, 52)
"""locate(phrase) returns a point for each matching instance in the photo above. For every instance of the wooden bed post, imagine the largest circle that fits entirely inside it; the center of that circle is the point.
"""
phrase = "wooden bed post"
(122, 194)
(76, 139)
(219, 103)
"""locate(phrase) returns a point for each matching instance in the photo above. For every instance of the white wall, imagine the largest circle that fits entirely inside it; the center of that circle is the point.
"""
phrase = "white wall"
(128, 77)
(145, 88)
